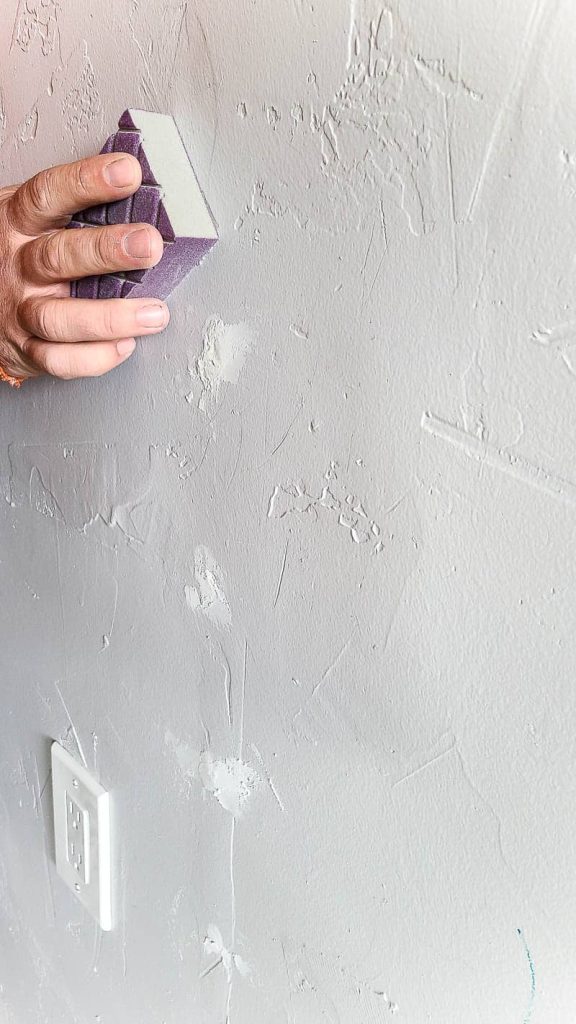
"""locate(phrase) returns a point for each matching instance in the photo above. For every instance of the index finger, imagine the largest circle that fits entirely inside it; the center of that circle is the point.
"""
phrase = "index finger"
(49, 199)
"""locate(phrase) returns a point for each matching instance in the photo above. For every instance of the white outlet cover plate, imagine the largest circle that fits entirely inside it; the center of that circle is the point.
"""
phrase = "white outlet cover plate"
(82, 835)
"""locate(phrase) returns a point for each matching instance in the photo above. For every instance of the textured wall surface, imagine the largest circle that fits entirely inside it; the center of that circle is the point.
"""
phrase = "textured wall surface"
(296, 581)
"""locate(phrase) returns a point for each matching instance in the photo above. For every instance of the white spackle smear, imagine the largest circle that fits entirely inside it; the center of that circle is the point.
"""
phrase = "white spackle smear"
(231, 780)
(187, 757)
(207, 595)
(224, 351)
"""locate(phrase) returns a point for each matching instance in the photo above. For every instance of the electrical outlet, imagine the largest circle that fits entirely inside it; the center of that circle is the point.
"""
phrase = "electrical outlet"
(78, 838)
(82, 835)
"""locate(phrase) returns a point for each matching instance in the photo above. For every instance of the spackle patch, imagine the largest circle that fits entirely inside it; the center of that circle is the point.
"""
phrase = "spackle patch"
(207, 595)
(224, 351)
(214, 947)
(232, 782)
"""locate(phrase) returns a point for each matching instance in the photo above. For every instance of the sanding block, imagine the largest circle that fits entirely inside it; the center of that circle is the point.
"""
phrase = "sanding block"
(170, 198)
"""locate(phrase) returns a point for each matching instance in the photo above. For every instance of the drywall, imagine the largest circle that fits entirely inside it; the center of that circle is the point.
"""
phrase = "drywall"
(296, 581)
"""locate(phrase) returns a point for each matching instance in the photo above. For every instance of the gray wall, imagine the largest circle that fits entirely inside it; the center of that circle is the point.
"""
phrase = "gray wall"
(297, 580)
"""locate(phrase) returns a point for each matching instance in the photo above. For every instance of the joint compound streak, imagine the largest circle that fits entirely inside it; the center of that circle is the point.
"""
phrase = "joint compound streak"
(500, 458)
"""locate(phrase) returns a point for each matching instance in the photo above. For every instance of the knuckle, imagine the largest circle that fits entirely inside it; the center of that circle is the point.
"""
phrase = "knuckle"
(41, 318)
(50, 254)
(102, 249)
(83, 179)
(38, 192)
(109, 320)
(9, 206)
(38, 314)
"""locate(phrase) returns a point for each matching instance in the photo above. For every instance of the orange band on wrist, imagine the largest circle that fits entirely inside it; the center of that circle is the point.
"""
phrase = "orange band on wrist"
(14, 382)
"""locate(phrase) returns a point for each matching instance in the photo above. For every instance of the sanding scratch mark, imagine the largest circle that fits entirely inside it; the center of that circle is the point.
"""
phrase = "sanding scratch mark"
(214, 91)
(45, 835)
(530, 1010)
(495, 817)
(501, 459)
(147, 83)
(334, 662)
(124, 891)
(108, 636)
(377, 274)
(297, 9)
(282, 571)
(269, 779)
(288, 429)
(15, 28)
(368, 249)
(532, 35)
(227, 686)
(233, 915)
(290, 994)
(423, 767)
(72, 726)
(266, 408)
(211, 967)
(48, 774)
(97, 951)
(352, 436)
(63, 639)
(238, 453)
(179, 39)
(483, 270)
(242, 703)
(450, 170)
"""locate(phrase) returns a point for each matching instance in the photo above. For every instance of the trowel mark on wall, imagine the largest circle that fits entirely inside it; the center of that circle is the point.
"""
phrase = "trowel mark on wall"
(372, 140)
(263, 203)
(82, 103)
(559, 339)
(207, 595)
(503, 459)
(36, 19)
(28, 126)
(224, 351)
(231, 781)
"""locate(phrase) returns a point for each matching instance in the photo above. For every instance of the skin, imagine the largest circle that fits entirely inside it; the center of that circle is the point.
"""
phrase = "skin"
(43, 330)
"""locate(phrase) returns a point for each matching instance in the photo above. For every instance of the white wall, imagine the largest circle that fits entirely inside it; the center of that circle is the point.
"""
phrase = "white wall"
(297, 580)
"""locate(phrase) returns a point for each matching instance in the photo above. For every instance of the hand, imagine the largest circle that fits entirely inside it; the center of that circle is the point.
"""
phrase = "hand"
(43, 330)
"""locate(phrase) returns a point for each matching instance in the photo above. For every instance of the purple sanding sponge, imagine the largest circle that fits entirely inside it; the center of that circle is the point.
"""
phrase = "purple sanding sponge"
(169, 198)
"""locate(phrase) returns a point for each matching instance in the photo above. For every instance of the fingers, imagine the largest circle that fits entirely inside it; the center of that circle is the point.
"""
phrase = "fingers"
(47, 200)
(81, 252)
(86, 359)
(78, 320)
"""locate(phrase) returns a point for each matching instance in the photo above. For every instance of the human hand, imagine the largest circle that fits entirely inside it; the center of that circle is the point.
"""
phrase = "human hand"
(43, 330)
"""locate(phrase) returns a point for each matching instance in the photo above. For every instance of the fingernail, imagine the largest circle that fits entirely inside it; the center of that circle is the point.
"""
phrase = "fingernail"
(137, 243)
(151, 316)
(120, 173)
(125, 348)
